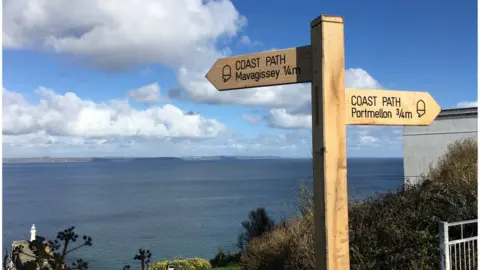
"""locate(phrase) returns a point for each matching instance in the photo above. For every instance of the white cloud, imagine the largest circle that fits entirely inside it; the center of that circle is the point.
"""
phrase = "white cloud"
(69, 115)
(280, 118)
(467, 104)
(200, 90)
(299, 116)
(117, 34)
(250, 118)
(293, 97)
(42, 144)
(359, 78)
(362, 139)
(261, 145)
(245, 40)
(148, 94)
(368, 140)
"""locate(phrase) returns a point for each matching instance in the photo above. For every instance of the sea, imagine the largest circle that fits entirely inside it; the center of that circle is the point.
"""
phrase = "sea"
(173, 207)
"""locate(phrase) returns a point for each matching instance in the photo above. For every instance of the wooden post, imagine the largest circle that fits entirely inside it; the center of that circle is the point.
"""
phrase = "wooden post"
(329, 144)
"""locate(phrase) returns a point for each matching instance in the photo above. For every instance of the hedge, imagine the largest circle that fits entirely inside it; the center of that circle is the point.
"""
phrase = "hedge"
(183, 264)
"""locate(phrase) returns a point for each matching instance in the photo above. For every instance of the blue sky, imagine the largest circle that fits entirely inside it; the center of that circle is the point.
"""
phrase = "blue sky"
(127, 80)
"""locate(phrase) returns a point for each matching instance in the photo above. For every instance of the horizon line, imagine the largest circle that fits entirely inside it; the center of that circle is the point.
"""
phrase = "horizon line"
(183, 157)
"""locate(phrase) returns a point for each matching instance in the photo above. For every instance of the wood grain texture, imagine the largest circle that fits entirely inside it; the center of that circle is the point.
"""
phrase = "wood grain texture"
(329, 144)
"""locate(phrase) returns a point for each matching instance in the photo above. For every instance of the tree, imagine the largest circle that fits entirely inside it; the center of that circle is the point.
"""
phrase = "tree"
(258, 223)
(143, 256)
(53, 253)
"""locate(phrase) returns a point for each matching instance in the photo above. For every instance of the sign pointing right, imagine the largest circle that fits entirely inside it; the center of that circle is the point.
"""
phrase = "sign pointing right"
(393, 108)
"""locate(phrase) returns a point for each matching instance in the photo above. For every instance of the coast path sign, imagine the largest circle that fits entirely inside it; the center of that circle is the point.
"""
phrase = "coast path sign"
(280, 67)
(333, 107)
(393, 108)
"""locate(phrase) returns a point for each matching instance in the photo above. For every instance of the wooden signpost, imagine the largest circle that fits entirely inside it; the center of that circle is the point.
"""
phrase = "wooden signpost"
(333, 107)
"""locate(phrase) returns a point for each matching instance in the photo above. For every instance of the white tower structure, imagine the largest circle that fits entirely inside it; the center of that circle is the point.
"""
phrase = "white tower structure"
(33, 233)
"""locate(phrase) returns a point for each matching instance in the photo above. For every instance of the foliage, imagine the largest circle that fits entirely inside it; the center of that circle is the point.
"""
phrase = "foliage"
(221, 259)
(183, 264)
(288, 246)
(395, 230)
(53, 253)
(143, 256)
(257, 224)
(458, 166)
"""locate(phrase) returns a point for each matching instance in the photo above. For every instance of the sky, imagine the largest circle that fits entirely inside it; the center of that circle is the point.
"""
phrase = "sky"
(102, 78)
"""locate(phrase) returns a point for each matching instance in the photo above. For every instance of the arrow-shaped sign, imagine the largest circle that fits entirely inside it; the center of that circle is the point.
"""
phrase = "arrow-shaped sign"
(393, 108)
(287, 66)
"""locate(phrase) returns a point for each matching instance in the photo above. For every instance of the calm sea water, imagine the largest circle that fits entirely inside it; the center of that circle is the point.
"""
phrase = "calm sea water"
(175, 208)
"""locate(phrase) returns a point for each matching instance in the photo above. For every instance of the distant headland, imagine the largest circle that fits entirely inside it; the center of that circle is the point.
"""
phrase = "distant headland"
(125, 159)
(45, 160)
(117, 159)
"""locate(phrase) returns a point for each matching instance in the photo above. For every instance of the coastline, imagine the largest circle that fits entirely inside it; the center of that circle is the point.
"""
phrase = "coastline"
(40, 160)
(44, 160)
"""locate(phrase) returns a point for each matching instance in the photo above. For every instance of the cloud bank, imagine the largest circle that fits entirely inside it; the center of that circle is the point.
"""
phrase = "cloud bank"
(69, 115)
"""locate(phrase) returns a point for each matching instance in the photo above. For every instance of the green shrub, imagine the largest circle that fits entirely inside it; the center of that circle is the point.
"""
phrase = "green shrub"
(183, 264)
(288, 246)
(395, 230)
(268, 252)
(458, 166)
(257, 224)
(221, 259)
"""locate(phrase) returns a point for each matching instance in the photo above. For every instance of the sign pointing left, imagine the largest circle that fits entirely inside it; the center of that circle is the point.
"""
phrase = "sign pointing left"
(287, 66)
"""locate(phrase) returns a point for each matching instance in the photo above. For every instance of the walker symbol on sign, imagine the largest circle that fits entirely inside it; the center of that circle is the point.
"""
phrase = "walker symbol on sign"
(421, 108)
(226, 73)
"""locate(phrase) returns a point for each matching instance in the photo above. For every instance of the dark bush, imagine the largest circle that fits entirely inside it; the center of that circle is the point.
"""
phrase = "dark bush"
(221, 259)
(257, 224)
(288, 246)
